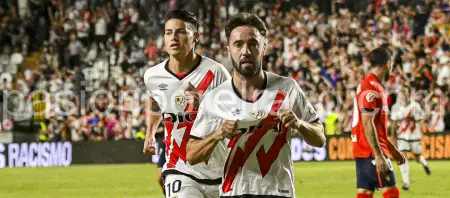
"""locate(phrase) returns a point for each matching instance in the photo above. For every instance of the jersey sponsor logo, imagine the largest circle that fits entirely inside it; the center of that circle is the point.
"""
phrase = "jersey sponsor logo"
(179, 150)
(265, 159)
(257, 114)
(180, 117)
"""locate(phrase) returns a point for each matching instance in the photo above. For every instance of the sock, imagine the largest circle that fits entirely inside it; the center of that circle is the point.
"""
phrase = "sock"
(423, 161)
(392, 193)
(404, 170)
(363, 195)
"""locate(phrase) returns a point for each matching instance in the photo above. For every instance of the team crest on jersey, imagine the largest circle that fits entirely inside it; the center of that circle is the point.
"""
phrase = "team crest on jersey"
(180, 101)
(370, 97)
(259, 114)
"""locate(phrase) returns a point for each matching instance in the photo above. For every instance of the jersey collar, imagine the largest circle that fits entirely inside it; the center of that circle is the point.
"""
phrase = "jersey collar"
(257, 98)
(166, 66)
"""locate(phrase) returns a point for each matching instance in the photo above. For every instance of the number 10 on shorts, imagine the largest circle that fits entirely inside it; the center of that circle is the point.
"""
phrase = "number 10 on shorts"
(172, 188)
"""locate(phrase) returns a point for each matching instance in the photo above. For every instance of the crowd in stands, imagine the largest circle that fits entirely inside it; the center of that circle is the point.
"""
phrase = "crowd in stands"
(85, 46)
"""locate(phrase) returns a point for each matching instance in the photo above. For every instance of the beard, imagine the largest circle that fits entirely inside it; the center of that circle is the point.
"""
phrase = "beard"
(246, 72)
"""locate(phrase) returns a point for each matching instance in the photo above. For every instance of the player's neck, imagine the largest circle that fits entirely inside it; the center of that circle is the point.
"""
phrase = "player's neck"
(180, 65)
(379, 73)
(249, 88)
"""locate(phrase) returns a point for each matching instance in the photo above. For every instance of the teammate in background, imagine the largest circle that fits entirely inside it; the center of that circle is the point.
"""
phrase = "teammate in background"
(409, 119)
(256, 110)
(436, 121)
(168, 84)
(369, 131)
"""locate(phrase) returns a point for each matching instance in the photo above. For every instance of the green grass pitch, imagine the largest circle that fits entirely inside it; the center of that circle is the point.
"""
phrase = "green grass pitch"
(312, 180)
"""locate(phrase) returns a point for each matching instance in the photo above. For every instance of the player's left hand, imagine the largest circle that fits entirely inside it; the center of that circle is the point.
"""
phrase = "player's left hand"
(288, 118)
(192, 96)
(398, 156)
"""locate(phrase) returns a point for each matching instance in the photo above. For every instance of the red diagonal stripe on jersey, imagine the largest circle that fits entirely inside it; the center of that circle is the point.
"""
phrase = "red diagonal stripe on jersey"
(240, 156)
(233, 141)
(168, 124)
(206, 81)
(266, 159)
(408, 122)
(179, 151)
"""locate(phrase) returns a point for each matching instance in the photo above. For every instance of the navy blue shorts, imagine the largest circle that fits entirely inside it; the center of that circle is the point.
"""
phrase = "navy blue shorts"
(162, 154)
(367, 176)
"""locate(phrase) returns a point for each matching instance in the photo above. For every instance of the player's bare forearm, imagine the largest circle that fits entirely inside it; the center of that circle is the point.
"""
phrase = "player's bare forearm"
(199, 150)
(313, 133)
(154, 118)
(371, 134)
(394, 131)
(391, 146)
(152, 124)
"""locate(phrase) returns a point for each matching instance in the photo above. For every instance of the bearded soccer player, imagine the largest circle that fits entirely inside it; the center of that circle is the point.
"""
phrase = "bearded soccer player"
(408, 117)
(369, 132)
(174, 87)
(256, 111)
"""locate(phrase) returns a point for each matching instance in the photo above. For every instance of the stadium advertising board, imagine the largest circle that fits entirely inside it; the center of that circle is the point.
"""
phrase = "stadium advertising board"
(42, 154)
(435, 146)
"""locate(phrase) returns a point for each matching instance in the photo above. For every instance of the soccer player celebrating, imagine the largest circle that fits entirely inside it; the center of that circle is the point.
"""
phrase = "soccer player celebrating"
(169, 85)
(369, 132)
(256, 110)
(409, 118)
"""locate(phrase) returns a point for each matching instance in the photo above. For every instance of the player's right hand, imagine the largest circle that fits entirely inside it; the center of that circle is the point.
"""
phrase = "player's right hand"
(192, 96)
(149, 146)
(398, 156)
(228, 129)
(381, 164)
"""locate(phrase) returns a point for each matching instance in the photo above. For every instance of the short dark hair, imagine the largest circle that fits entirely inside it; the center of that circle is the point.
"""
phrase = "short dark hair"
(245, 19)
(185, 16)
(379, 57)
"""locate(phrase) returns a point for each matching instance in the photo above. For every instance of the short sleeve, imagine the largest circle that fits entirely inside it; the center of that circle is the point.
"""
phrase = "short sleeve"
(146, 79)
(300, 105)
(369, 101)
(205, 124)
(222, 75)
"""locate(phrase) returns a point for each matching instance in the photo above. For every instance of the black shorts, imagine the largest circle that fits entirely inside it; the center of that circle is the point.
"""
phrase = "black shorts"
(162, 154)
(367, 176)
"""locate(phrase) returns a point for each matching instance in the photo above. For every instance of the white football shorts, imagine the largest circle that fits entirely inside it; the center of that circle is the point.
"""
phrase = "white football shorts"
(180, 186)
(410, 146)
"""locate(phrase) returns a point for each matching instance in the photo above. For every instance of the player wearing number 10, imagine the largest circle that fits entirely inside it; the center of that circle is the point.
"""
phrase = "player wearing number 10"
(369, 131)
(170, 85)
(257, 111)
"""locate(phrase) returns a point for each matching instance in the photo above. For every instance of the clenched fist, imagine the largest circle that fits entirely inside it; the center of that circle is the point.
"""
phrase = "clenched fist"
(288, 118)
(192, 96)
(149, 146)
(227, 129)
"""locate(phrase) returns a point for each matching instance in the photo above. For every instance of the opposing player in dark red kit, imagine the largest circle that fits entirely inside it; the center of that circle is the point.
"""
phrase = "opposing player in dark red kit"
(369, 131)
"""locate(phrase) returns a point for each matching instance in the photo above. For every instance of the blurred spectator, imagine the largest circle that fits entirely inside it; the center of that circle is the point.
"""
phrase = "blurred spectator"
(75, 49)
(90, 46)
